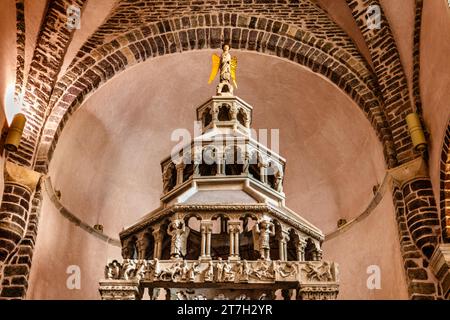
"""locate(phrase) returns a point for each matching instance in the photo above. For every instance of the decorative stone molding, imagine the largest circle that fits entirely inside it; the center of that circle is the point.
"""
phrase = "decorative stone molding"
(22, 176)
(120, 290)
(72, 217)
(408, 171)
(440, 264)
(127, 280)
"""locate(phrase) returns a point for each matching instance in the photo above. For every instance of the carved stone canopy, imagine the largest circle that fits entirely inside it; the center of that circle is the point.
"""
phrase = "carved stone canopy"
(222, 230)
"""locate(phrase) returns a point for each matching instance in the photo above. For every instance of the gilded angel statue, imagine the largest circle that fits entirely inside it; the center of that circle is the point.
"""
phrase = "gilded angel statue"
(227, 66)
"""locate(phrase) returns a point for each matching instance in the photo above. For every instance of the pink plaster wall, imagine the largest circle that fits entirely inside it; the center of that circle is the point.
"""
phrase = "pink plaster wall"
(106, 163)
(401, 16)
(7, 51)
(435, 79)
(371, 242)
(61, 245)
(7, 64)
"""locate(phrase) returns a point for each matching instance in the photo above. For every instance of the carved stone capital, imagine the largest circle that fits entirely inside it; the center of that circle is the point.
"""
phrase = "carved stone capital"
(234, 226)
(206, 226)
(157, 233)
(21, 175)
(283, 236)
(180, 166)
(409, 171)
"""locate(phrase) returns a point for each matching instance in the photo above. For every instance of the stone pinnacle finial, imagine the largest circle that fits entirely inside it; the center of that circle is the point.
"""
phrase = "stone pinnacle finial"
(227, 66)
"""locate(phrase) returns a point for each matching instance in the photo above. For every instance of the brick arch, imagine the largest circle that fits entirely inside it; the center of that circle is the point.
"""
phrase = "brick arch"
(445, 186)
(195, 32)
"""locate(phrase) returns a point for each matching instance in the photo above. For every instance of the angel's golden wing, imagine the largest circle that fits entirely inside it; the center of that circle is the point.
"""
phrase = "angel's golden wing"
(233, 66)
(214, 67)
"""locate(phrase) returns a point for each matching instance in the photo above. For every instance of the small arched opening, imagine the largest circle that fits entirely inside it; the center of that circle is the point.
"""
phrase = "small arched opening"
(194, 239)
(233, 161)
(208, 167)
(224, 113)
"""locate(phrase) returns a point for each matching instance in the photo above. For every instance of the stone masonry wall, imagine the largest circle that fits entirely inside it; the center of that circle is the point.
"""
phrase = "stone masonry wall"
(14, 283)
(53, 40)
(421, 282)
(390, 74)
(445, 187)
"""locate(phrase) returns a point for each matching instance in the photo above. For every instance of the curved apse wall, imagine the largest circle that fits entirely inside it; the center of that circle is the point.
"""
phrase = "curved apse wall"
(106, 165)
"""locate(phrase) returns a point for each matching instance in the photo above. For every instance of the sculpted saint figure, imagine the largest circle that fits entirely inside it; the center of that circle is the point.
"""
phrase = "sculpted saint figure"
(179, 233)
(262, 232)
(167, 176)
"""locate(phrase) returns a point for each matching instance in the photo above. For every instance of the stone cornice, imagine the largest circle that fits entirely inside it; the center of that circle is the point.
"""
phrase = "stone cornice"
(408, 171)
(21, 175)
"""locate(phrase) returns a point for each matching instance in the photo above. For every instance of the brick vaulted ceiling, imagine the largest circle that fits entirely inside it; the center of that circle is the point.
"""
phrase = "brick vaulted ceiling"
(299, 31)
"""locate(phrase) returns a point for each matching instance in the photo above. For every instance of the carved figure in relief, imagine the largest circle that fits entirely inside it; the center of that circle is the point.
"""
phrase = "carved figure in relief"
(278, 180)
(193, 271)
(285, 269)
(246, 165)
(129, 269)
(262, 232)
(184, 270)
(179, 233)
(243, 270)
(233, 112)
(112, 270)
(263, 270)
(219, 270)
(227, 66)
(209, 272)
(181, 295)
(319, 273)
(156, 268)
(167, 176)
(228, 273)
(176, 271)
(141, 269)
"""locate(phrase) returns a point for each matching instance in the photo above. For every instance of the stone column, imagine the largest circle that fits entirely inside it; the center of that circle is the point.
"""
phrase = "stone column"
(180, 169)
(301, 246)
(220, 161)
(142, 245)
(157, 237)
(317, 254)
(234, 228)
(215, 115)
(283, 239)
(206, 230)
(19, 186)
